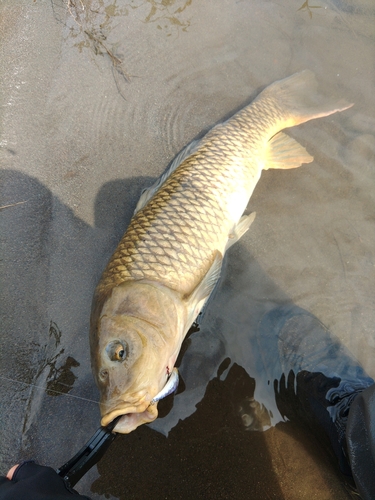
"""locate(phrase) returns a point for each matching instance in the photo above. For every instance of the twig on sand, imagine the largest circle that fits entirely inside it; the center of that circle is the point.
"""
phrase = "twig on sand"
(13, 204)
(306, 6)
(80, 14)
(71, 5)
(116, 61)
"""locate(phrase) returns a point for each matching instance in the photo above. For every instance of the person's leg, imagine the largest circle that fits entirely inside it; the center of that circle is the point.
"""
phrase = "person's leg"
(317, 381)
(360, 436)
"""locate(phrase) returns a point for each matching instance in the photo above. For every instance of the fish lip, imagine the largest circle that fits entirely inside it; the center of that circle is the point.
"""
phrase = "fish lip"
(109, 417)
(145, 409)
(123, 410)
(132, 403)
(130, 420)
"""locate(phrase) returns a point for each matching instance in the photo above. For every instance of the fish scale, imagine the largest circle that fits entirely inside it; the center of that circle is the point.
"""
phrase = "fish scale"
(187, 207)
(180, 226)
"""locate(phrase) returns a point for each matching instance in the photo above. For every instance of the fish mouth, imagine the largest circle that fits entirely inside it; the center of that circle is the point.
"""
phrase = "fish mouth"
(129, 421)
(146, 412)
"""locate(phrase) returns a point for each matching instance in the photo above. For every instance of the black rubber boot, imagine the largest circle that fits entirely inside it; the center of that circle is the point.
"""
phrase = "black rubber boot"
(360, 436)
(316, 379)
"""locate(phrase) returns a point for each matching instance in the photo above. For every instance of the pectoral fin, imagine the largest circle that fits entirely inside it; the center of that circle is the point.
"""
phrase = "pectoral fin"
(285, 152)
(205, 287)
(202, 292)
(241, 228)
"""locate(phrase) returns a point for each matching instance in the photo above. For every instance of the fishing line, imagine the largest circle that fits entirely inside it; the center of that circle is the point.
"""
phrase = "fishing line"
(49, 390)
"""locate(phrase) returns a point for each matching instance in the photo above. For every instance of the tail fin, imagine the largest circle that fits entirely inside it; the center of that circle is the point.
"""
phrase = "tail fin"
(298, 99)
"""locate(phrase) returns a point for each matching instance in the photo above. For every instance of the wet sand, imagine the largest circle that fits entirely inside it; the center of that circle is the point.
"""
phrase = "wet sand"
(96, 102)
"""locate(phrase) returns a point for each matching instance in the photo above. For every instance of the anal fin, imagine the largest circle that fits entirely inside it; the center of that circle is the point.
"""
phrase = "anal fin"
(240, 229)
(285, 152)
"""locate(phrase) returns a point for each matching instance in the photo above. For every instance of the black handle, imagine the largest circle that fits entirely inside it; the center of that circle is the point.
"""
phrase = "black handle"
(89, 454)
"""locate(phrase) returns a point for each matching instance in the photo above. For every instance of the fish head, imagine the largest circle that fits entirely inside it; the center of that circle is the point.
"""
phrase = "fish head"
(134, 345)
(130, 370)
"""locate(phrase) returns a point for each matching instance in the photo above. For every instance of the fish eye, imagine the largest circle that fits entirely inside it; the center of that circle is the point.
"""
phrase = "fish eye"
(120, 352)
(116, 351)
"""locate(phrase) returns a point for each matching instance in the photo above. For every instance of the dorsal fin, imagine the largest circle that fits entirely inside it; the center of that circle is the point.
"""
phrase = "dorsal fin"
(148, 193)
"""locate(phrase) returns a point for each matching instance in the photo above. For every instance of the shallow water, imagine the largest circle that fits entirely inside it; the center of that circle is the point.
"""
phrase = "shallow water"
(98, 97)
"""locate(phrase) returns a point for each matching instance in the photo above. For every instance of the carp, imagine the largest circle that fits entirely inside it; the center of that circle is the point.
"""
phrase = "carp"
(169, 259)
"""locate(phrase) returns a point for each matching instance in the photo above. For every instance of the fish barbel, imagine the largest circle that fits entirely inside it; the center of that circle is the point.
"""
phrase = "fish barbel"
(169, 259)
